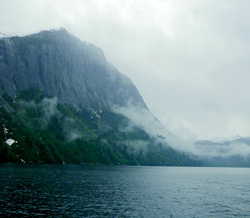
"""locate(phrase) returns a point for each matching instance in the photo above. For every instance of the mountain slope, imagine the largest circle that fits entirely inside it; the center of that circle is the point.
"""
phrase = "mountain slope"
(57, 102)
(58, 64)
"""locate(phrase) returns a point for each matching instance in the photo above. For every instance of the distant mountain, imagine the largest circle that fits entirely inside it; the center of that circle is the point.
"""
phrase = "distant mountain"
(59, 99)
(225, 142)
(229, 153)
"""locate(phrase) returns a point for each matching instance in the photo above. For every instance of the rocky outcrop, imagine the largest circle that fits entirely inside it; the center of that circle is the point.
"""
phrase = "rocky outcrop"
(57, 63)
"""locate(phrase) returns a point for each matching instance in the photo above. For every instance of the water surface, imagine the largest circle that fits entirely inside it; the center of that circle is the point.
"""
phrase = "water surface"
(123, 191)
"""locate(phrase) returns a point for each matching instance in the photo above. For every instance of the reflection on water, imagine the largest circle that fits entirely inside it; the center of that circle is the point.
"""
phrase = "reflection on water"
(123, 191)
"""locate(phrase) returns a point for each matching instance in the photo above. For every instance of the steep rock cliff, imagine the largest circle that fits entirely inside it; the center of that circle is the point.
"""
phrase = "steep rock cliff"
(57, 63)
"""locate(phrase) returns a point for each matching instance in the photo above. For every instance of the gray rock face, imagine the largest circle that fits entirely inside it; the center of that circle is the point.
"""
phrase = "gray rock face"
(58, 64)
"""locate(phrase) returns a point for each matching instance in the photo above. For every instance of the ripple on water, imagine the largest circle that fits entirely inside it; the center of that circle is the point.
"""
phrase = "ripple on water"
(101, 191)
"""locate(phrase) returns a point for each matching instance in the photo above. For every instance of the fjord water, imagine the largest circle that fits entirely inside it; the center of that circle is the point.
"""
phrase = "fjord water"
(123, 191)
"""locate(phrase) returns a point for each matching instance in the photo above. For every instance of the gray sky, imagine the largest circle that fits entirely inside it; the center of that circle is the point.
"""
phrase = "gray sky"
(188, 58)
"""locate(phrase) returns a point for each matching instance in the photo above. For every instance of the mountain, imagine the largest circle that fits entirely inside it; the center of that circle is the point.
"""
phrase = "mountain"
(239, 140)
(60, 101)
(228, 153)
(58, 64)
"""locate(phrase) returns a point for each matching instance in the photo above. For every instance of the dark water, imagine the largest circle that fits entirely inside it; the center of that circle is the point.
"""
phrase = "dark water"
(122, 191)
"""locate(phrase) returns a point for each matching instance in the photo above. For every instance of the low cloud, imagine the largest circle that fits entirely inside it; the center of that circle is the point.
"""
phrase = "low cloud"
(223, 150)
(137, 146)
(71, 129)
(144, 119)
(49, 108)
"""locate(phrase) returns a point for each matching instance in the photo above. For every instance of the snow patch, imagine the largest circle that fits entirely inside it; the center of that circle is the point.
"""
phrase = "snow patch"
(10, 142)
(96, 114)
(22, 160)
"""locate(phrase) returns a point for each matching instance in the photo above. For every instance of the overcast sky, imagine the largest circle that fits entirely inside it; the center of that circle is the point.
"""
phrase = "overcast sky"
(188, 58)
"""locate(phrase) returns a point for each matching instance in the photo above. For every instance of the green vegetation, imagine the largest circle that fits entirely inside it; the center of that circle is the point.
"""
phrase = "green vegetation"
(47, 132)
